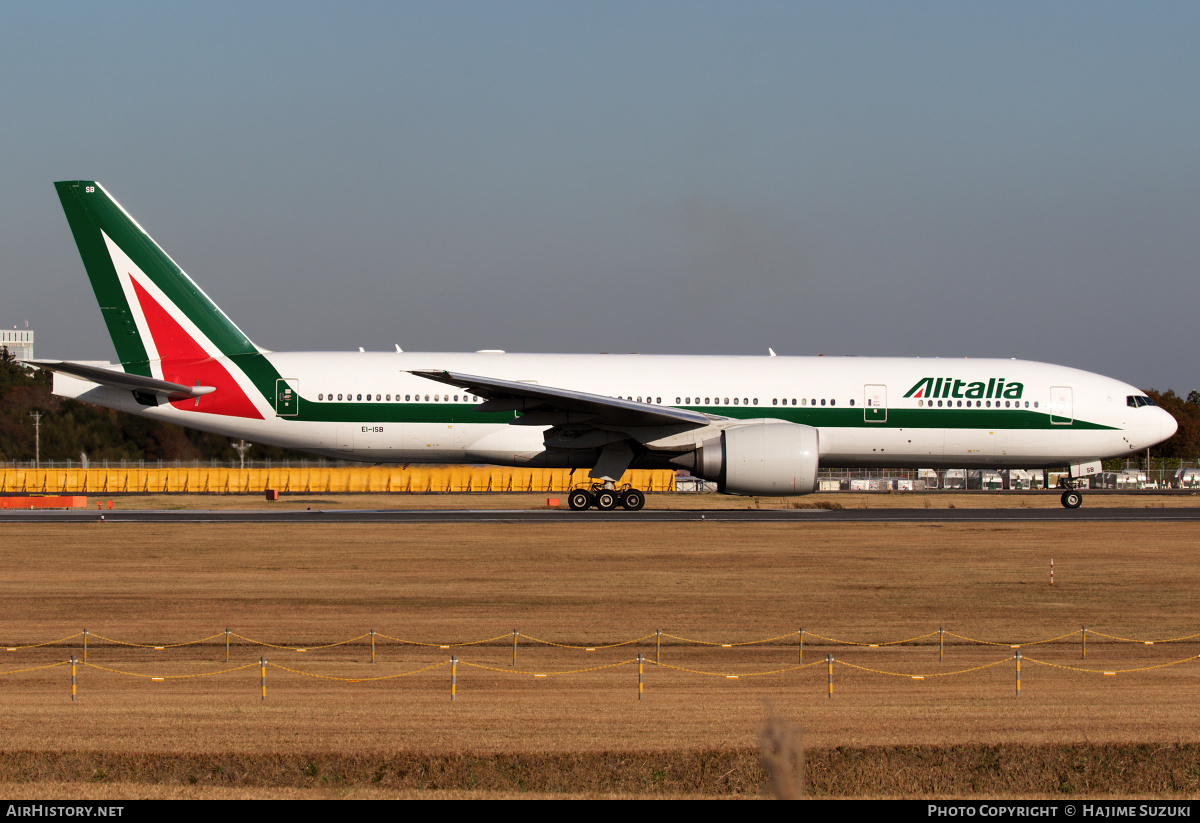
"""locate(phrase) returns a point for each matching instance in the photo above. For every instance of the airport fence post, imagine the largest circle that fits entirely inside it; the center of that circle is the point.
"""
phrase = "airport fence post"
(372, 645)
(262, 676)
(1017, 657)
(514, 660)
(1083, 631)
(829, 662)
(658, 646)
(1051, 571)
(85, 645)
(941, 644)
(640, 682)
(453, 678)
(801, 646)
(227, 645)
(72, 678)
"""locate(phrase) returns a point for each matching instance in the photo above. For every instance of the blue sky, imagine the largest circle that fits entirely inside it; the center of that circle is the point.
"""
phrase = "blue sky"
(953, 179)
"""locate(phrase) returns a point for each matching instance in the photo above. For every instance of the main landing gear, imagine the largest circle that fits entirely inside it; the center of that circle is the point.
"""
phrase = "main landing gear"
(1072, 498)
(606, 499)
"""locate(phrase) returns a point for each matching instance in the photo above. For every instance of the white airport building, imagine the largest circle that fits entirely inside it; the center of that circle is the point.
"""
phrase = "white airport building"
(18, 342)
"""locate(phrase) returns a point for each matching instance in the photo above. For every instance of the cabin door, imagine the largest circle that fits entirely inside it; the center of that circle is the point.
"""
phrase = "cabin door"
(287, 397)
(1062, 407)
(875, 404)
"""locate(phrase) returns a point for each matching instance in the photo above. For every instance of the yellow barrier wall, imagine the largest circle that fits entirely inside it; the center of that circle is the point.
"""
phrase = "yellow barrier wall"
(376, 479)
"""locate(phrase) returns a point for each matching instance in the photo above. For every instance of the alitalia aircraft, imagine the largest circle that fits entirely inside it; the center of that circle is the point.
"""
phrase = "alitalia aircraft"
(755, 425)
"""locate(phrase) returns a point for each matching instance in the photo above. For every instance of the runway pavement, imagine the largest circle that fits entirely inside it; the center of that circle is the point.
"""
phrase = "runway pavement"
(528, 516)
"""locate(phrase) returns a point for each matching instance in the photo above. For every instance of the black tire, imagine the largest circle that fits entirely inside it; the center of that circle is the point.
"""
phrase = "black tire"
(633, 500)
(1072, 499)
(580, 500)
(606, 500)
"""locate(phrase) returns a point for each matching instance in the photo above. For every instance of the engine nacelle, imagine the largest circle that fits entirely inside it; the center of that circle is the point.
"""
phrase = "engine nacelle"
(762, 457)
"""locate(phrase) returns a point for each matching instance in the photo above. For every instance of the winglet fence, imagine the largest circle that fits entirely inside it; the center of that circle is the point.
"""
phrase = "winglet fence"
(1013, 655)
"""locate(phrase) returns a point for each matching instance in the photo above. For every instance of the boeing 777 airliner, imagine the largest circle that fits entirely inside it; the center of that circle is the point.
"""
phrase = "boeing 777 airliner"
(754, 425)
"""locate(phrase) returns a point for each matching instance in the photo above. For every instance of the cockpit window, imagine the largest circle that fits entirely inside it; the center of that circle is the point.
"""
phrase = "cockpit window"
(1137, 401)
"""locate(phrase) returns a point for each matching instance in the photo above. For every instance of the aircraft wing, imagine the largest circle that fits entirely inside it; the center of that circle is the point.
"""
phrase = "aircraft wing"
(122, 380)
(549, 406)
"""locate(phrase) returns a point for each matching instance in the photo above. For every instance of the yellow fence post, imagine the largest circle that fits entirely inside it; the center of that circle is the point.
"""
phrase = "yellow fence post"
(941, 644)
(453, 678)
(372, 645)
(641, 688)
(227, 645)
(1083, 631)
(658, 647)
(72, 678)
(85, 645)
(1017, 657)
(829, 662)
(514, 660)
(801, 645)
(262, 676)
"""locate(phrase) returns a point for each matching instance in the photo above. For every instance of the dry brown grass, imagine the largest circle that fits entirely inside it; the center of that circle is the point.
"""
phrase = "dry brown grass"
(595, 584)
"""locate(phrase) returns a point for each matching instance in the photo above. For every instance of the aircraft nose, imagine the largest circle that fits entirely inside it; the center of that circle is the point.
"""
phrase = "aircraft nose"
(1169, 425)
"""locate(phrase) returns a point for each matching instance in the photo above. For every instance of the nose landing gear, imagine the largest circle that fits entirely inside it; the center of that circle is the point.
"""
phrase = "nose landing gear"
(1072, 498)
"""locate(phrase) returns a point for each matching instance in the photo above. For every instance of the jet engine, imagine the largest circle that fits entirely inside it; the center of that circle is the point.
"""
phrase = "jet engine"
(760, 457)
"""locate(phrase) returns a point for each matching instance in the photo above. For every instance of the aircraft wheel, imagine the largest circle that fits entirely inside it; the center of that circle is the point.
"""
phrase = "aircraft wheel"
(1072, 500)
(633, 500)
(606, 500)
(579, 500)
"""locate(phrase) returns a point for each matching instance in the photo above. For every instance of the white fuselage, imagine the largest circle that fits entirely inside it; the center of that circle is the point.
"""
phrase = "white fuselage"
(869, 411)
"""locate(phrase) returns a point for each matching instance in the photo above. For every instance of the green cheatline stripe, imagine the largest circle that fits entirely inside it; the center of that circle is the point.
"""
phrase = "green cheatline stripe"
(385, 412)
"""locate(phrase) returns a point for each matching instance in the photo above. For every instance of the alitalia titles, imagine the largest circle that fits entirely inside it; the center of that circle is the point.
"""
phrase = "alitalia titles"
(943, 387)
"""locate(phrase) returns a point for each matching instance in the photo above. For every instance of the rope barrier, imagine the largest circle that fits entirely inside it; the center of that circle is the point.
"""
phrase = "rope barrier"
(1018, 645)
(1144, 642)
(729, 645)
(356, 679)
(294, 648)
(167, 676)
(37, 668)
(504, 636)
(453, 663)
(804, 636)
(728, 675)
(40, 645)
(156, 645)
(1113, 671)
(923, 676)
(588, 648)
(547, 674)
(872, 645)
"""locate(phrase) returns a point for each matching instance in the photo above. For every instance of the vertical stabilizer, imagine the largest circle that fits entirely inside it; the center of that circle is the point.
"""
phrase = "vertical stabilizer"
(161, 323)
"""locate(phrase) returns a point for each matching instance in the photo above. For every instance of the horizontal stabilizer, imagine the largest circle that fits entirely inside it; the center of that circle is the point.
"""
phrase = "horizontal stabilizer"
(122, 380)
